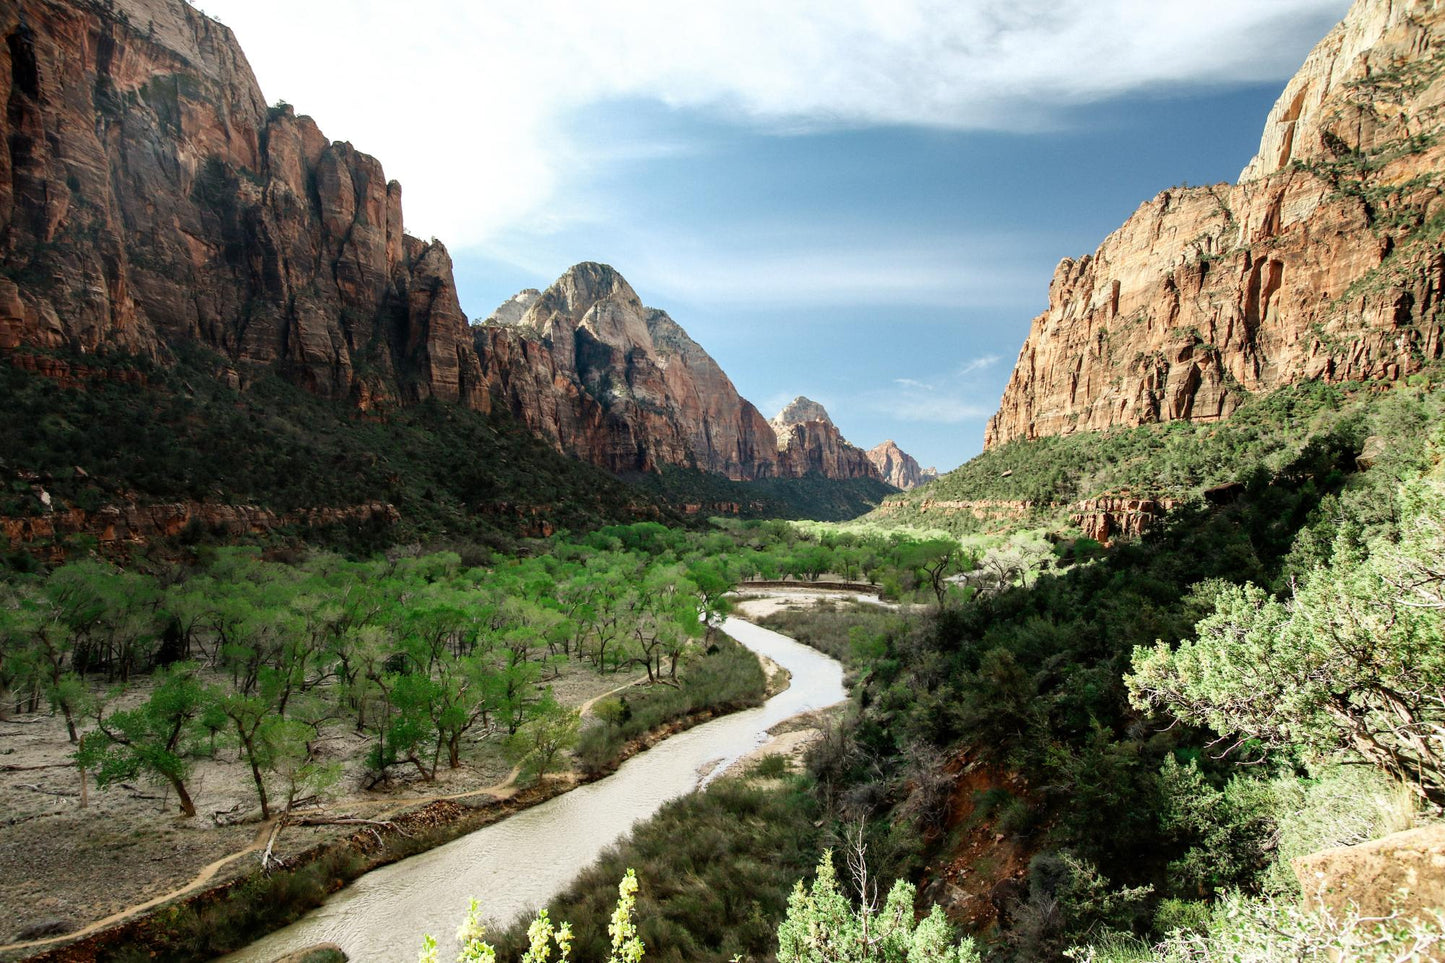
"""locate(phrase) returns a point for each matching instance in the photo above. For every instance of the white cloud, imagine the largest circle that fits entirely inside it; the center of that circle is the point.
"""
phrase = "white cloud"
(949, 399)
(465, 102)
(978, 364)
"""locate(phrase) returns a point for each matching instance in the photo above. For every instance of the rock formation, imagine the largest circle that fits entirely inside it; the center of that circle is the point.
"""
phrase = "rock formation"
(621, 385)
(808, 443)
(149, 199)
(1403, 873)
(511, 310)
(899, 468)
(1326, 260)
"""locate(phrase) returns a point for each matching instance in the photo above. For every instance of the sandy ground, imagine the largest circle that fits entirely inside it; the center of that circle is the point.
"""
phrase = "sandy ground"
(64, 867)
(754, 607)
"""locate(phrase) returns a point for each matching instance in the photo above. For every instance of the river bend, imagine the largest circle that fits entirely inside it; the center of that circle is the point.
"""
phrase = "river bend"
(516, 865)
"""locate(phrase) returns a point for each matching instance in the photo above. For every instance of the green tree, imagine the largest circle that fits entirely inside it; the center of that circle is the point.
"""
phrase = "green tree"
(822, 926)
(1354, 661)
(150, 739)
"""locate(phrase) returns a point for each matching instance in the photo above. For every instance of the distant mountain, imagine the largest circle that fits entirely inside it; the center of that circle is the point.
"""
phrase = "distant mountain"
(1326, 260)
(151, 203)
(810, 444)
(899, 468)
(621, 385)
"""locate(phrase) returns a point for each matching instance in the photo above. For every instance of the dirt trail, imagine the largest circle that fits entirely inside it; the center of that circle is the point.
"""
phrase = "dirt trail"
(500, 791)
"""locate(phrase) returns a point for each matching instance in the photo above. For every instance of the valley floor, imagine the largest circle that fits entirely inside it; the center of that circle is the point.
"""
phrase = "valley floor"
(64, 868)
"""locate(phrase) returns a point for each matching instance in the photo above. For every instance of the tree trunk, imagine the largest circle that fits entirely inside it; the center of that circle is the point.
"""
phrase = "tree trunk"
(188, 808)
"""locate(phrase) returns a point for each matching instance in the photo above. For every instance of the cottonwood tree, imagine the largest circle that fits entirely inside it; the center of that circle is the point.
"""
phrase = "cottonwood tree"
(151, 739)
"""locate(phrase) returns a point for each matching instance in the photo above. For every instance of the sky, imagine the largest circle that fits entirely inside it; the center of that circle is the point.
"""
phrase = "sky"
(860, 201)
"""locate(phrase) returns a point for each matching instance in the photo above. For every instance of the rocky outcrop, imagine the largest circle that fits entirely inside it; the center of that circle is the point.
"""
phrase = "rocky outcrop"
(514, 308)
(149, 197)
(799, 411)
(1326, 260)
(899, 468)
(809, 443)
(119, 529)
(605, 378)
(1110, 516)
(1402, 873)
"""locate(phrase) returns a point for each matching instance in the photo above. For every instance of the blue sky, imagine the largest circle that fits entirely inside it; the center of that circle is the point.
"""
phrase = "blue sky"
(857, 201)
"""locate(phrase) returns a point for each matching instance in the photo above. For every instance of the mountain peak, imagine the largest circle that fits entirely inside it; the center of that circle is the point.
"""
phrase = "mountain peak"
(798, 411)
(514, 308)
(897, 467)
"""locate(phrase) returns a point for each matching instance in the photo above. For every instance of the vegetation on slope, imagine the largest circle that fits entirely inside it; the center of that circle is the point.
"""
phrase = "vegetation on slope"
(821, 499)
(454, 475)
(1179, 459)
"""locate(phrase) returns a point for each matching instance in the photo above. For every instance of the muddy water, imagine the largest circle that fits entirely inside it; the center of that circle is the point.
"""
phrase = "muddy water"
(517, 865)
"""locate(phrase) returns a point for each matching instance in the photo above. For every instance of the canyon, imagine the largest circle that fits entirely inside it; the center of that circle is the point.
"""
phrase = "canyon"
(151, 202)
(1325, 261)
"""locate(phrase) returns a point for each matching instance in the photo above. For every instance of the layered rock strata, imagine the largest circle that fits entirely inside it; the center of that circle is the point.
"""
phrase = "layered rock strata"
(121, 528)
(1326, 260)
(808, 443)
(898, 468)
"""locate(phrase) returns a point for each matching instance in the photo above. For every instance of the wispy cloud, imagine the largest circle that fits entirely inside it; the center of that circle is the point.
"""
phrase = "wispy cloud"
(978, 364)
(466, 102)
(950, 399)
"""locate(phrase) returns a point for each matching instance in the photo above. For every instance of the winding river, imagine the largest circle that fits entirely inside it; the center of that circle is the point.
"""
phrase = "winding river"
(517, 865)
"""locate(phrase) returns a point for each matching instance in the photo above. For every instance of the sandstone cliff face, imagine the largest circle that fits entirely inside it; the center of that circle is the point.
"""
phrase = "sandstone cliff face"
(810, 444)
(899, 468)
(1327, 260)
(620, 384)
(149, 197)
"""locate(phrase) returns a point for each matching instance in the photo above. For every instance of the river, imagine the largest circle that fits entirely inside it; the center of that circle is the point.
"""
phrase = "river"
(515, 866)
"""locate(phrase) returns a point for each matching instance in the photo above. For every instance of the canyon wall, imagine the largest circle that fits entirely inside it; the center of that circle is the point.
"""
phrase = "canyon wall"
(1326, 260)
(150, 200)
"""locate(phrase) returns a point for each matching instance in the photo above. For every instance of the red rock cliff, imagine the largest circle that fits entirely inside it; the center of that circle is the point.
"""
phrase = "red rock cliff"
(810, 444)
(898, 468)
(148, 197)
(1326, 260)
(588, 366)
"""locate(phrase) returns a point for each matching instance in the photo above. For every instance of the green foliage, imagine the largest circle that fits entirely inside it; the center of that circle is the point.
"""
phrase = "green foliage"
(1353, 662)
(823, 927)
(716, 867)
(1177, 459)
(1244, 930)
(451, 473)
(824, 499)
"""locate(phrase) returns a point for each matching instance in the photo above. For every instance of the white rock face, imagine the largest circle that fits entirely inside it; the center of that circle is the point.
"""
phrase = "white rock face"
(797, 412)
(1349, 53)
(511, 310)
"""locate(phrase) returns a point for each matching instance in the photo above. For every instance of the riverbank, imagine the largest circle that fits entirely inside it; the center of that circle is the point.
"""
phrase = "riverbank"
(201, 924)
(119, 872)
(234, 902)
